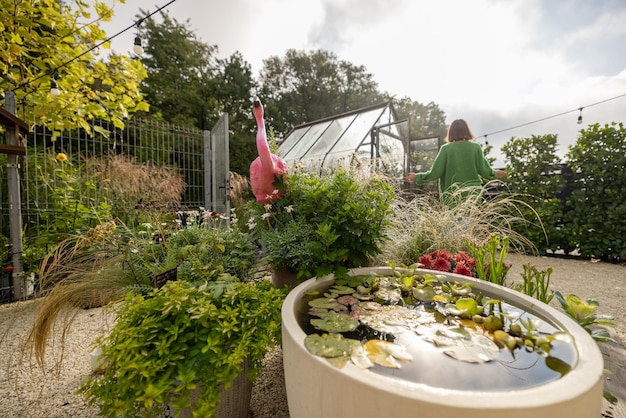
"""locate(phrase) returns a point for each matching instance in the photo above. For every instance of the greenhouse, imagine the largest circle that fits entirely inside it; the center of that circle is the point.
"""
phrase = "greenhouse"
(370, 133)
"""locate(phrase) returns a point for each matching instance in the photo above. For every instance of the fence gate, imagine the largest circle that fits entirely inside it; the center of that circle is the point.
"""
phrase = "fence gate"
(217, 167)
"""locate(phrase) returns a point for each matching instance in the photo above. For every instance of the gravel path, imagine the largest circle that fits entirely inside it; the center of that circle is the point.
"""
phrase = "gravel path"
(27, 391)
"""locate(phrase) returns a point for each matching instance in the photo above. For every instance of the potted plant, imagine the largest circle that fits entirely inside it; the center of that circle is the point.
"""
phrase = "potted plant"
(318, 224)
(182, 344)
(434, 344)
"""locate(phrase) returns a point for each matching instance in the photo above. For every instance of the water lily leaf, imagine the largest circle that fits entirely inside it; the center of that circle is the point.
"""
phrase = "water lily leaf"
(327, 345)
(347, 300)
(424, 293)
(335, 322)
(455, 333)
(389, 295)
(385, 353)
(479, 349)
(338, 362)
(451, 309)
(342, 290)
(558, 365)
(326, 303)
(365, 308)
(392, 319)
(358, 355)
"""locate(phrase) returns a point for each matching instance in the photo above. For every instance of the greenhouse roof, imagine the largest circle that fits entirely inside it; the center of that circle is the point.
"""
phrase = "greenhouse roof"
(368, 133)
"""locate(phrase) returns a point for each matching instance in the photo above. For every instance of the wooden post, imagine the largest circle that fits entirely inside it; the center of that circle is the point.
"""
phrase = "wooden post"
(15, 202)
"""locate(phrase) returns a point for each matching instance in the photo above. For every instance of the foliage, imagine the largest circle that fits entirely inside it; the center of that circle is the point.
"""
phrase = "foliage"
(584, 312)
(45, 40)
(100, 266)
(306, 86)
(425, 120)
(598, 198)
(75, 203)
(489, 256)
(206, 248)
(535, 175)
(536, 283)
(182, 337)
(325, 223)
(187, 84)
(424, 223)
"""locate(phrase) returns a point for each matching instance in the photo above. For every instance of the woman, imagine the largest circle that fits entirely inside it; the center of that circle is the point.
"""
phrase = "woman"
(460, 163)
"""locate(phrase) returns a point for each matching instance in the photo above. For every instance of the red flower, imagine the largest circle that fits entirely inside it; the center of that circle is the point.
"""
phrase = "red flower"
(427, 261)
(441, 264)
(462, 268)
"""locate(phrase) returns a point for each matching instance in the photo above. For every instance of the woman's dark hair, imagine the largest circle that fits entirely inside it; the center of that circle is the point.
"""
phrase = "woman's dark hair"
(459, 131)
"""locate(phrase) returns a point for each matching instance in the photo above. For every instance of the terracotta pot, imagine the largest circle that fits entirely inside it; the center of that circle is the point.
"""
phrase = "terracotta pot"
(284, 278)
(315, 388)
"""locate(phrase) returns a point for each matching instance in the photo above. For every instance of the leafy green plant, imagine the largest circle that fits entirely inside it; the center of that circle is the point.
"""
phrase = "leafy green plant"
(207, 247)
(584, 312)
(489, 258)
(598, 207)
(326, 223)
(536, 283)
(535, 176)
(182, 337)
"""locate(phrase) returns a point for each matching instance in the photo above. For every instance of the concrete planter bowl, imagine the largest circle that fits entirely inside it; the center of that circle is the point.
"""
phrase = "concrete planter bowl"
(315, 388)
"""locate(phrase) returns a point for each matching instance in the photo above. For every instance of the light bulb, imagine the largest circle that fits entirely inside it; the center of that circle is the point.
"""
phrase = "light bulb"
(54, 88)
(580, 117)
(137, 48)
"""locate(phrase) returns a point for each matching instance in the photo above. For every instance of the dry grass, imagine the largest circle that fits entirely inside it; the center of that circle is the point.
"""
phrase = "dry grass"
(82, 272)
(425, 223)
(131, 183)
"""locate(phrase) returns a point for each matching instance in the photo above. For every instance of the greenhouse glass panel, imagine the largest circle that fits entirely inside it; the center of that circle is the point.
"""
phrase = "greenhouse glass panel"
(306, 141)
(359, 131)
(330, 138)
(422, 153)
(292, 139)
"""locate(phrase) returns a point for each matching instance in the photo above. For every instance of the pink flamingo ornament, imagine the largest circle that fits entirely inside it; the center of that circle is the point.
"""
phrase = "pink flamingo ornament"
(266, 165)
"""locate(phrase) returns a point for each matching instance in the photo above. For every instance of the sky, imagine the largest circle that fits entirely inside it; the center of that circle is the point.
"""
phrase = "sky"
(508, 67)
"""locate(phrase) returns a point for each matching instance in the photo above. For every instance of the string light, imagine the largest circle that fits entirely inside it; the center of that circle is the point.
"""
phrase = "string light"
(26, 83)
(580, 117)
(137, 48)
(54, 88)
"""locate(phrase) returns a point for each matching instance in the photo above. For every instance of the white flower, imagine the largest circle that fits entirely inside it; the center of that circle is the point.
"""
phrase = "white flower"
(275, 192)
(251, 225)
(266, 215)
(146, 225)
(289, 209)
(134, 251)
(267, 206)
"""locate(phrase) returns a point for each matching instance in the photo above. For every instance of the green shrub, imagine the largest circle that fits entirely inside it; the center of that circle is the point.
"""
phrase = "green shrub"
(181, 337)
(598, 199)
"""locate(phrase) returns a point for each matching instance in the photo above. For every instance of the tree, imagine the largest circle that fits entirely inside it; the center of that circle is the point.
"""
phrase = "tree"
(180, 68)
(306, 86)
(425, 120)
(45, 41)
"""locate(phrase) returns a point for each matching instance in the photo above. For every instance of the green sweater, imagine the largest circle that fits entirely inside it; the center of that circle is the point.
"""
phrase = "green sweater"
(462, 163)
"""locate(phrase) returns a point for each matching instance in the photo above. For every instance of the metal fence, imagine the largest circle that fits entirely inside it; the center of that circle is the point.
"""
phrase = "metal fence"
(144, 141)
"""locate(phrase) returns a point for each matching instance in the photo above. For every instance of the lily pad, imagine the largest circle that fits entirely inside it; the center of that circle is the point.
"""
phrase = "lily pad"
(335, 322)
(392, 319)
(326, 303)
(385, 353)
(389, 295)
(342, 290)
(358, 355)
(479, 349)
(327, 345)
(424, 293)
